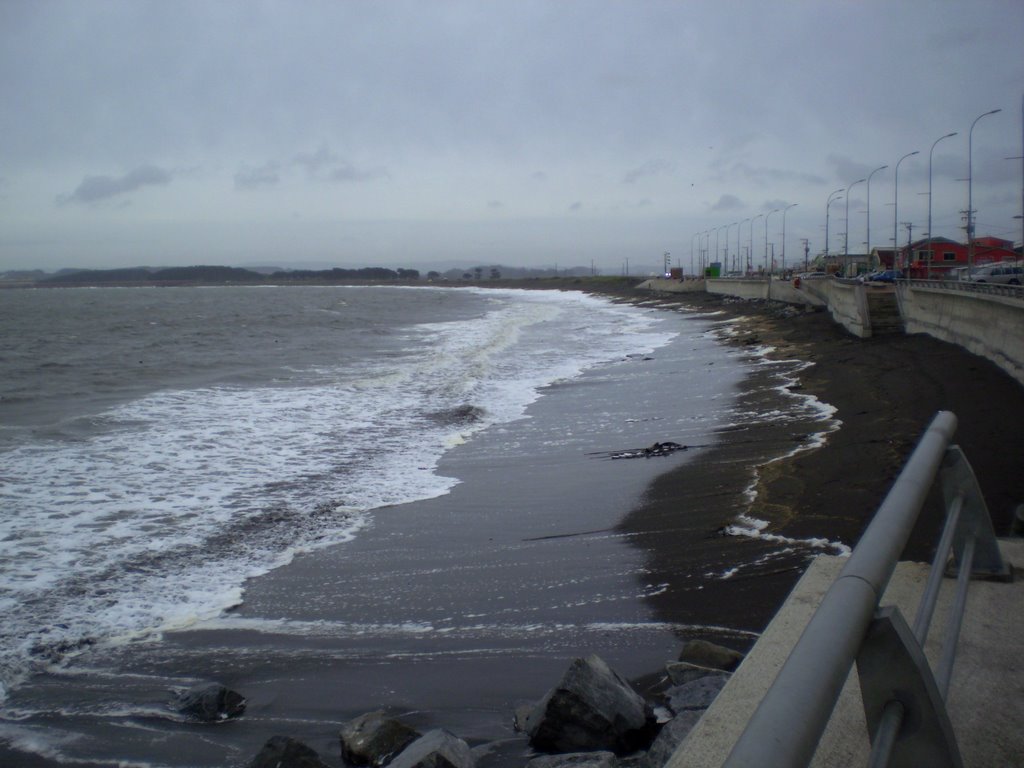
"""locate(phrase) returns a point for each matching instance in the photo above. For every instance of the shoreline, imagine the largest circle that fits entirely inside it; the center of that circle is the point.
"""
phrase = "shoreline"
(883, 392)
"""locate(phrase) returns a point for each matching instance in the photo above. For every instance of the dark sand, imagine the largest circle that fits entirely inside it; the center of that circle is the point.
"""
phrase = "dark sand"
(885, 390)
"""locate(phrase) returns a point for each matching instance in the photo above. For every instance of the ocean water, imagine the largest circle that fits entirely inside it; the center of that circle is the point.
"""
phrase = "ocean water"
(287, 486)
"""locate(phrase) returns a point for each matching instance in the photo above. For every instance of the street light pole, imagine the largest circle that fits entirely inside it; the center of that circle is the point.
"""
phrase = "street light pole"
(750, 252)
(717, 230)
(896, 205)
(930, 151)
(791, 205)
(846, 234)
(766, 265)
(739, 249)
(970, 209)
(727, 226)
(868, 243)
(827, 205)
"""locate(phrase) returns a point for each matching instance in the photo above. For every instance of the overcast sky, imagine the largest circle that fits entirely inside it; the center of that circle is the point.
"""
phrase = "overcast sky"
(514, 131)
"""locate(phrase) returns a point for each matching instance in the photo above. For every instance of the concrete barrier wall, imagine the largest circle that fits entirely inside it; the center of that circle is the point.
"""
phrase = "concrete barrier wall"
(743, 289)
(846, 301)
(990, 325)
(849, 307)
(988, 321)
(807, 293)
(663, 285)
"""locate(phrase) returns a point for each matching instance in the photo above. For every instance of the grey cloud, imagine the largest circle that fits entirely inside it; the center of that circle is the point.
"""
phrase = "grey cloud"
(325, 164)
(495, 204)
(348, 172)
(576, 206)
(314, 162)
(650, 168)
(95, 188)
(763, 176)
(772, 205)
(727, 203)
(251, 178)
(847, 170)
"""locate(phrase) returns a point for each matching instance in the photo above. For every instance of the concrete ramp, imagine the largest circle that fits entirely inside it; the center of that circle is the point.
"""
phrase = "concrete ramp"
(986, 700)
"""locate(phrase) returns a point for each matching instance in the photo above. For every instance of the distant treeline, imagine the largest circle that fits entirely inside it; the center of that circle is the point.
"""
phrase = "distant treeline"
(225, 275)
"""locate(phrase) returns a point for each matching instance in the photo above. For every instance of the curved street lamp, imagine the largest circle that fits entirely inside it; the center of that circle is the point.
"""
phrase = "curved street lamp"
(750, 252)
(846, 234)
(717, 230)
(930, 151)
(868, 243)
(970, 209)
(768, 216)
(739, 249)
(827, 204)
(791, 205)
(727, 226)
(896, 205)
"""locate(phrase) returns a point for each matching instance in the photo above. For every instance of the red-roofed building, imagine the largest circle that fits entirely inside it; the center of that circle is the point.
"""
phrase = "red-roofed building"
(948, 254)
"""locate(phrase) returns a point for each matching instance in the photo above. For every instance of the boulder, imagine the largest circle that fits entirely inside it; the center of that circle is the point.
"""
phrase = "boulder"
(435, 749)
(284, 752)
(697, 694)
(210, 703)
(680, 672)
(374, 739)
(591, 709)
(575, 760)
(705, 654)
(524, 716)
(669, 738)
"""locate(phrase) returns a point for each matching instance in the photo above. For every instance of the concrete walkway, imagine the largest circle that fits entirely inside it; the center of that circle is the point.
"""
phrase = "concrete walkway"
(986, 699)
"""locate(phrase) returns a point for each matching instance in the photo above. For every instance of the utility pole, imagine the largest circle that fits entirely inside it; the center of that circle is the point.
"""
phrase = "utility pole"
(909, 240)
(807, 253)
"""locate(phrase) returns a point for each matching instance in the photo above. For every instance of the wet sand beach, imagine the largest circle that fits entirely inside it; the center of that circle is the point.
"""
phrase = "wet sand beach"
(885, 391)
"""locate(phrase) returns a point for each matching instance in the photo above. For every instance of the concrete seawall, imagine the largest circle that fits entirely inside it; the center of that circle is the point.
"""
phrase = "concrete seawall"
(987, 320)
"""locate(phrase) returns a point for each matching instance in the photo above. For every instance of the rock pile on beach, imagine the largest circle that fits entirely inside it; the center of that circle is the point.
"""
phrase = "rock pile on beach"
(592, 718)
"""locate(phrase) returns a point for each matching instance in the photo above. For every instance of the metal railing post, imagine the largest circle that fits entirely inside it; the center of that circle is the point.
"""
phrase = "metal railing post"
(787, 725)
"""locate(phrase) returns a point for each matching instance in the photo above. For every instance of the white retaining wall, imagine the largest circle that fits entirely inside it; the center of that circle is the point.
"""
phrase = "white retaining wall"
(987, 324)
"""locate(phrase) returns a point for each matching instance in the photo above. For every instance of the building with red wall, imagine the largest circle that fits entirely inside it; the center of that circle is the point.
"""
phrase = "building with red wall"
(948, 254)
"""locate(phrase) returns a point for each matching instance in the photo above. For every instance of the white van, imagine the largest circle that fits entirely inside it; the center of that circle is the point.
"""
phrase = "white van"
(1005, 272)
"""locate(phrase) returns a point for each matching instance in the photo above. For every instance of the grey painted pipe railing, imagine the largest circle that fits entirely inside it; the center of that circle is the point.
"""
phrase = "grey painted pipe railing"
(847, 627)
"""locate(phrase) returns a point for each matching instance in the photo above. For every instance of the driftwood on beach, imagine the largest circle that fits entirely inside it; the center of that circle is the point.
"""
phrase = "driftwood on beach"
(665, 448)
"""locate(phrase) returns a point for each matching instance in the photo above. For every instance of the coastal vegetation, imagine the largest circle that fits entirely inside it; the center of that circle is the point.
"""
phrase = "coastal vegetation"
(220, 275)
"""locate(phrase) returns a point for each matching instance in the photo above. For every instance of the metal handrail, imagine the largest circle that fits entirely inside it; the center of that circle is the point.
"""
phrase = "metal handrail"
(965, 286)
(847, 626)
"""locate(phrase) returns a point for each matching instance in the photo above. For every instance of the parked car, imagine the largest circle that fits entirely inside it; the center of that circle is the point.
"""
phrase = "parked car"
(884, 276)
(1003, 272)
